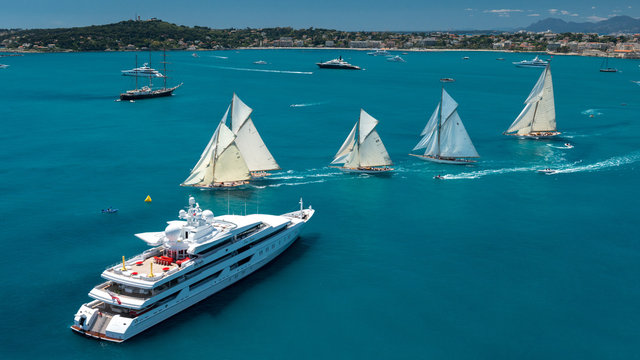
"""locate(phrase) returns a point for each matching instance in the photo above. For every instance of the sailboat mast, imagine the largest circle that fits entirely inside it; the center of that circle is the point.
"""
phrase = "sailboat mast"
(440, 117)
(150, 80)
(164, 58)
(136, 72)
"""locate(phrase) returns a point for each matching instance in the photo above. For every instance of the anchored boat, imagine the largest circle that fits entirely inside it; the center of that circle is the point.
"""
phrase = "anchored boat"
(445, 138)
(147, 92)
(538, 118)
(363, 150)
(192, 259)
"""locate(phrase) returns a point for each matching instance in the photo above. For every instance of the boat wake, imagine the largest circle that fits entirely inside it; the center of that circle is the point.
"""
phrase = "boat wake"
(220, 57)
(592, 112)
(565, 169)
(601, 165)
(481, 173)
(294, 178)
(306, 104)
(564, 147)
(266, 70)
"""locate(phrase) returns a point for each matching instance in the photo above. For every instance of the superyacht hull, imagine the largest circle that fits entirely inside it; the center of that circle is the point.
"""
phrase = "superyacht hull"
(189, 295)
(440, 160)
(338, 67)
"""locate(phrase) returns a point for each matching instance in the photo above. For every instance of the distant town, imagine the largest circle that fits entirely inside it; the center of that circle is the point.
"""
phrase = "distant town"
(139, 34)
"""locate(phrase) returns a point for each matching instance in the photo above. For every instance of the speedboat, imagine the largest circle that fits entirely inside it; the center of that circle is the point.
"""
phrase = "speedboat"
(536, 62)
(447, 80)
(338, 63)
(192, 259)
(260, 62)
(109, 211)
(465, 58)
(378, 52)
(195, 55)
(547, 171)
(396, 58)
(144, 71)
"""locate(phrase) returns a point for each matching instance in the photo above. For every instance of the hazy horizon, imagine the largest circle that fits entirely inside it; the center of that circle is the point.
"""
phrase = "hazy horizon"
(357, 15)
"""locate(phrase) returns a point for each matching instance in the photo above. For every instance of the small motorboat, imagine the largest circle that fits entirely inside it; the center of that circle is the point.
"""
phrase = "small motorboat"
(568, 146)
(439, 177)
(109, 211)
(447, 80)
(396, 58)
(195, 55)
(547, 171)
(500, 59)
(465, 58)
(260, 62)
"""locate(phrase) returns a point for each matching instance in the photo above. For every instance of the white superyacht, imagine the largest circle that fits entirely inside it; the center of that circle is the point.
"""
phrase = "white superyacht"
(192, 259)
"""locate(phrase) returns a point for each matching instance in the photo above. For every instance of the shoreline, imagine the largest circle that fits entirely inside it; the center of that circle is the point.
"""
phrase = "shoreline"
(22, 52)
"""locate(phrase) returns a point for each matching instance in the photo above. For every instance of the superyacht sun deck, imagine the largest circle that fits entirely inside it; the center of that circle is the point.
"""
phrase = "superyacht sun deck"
(192, 259)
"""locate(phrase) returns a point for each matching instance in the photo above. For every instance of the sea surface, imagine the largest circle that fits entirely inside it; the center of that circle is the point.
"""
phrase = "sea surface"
(496, 261)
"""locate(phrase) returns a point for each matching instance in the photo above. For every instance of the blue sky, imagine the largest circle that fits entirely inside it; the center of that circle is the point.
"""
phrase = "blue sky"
(335, 14)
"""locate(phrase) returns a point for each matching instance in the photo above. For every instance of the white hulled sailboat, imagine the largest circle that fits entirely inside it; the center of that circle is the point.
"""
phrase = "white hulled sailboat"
(255, 153)
(363, 150)
(538, 118)
(221, 163)
(445, 139)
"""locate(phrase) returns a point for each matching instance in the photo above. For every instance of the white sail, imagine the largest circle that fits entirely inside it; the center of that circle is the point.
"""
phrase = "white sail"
(433, 121)
(203, 171)
(230, 166)
(454, 139)
(539, 113)
(248, 140)
(445, 134)
(253, 149)
(240, 112)
(346, 148)
(367, 124)
(221, 161)
(204, 167)
(353, 158)
(545, 119)
(429, 130)
(373, 152)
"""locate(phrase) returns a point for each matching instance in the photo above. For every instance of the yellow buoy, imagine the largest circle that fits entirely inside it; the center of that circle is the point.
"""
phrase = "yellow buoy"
(148, 199)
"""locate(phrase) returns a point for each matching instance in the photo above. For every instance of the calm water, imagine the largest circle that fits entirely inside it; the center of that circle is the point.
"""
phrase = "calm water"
(495, 262)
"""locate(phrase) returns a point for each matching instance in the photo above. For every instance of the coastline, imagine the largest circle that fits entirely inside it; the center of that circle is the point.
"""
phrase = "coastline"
(22, 51)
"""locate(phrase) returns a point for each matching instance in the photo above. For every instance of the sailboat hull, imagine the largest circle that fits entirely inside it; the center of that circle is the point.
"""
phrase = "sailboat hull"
(222, 185)
(139, 95)
(535, 136)
(440, 160)
(367, 170)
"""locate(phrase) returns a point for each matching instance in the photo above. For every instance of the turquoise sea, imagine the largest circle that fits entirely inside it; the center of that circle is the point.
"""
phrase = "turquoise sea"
(494, 262)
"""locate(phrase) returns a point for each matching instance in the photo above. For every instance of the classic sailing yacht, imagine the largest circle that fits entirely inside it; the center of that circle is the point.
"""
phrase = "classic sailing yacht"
(538, 118)
(221, 163)
(147, 92)
(445, 139)
(363, 150)
(255, 153)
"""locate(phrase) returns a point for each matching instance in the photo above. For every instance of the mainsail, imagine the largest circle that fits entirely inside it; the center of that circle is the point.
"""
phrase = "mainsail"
(539, 113)
(248, 140)
(220, 162)
(365, 151)
(445, 134)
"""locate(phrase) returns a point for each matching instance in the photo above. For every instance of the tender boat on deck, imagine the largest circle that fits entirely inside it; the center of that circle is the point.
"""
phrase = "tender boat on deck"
(193, 258)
